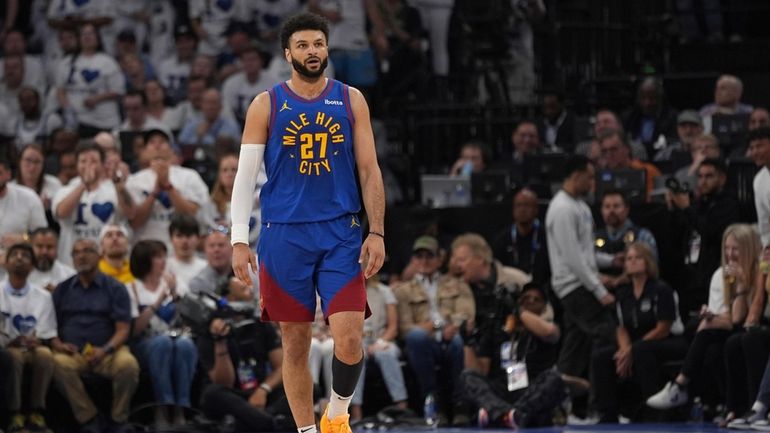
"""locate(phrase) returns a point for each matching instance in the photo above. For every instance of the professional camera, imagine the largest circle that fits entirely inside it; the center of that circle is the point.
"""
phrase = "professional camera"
(197, 311)
(675, 186)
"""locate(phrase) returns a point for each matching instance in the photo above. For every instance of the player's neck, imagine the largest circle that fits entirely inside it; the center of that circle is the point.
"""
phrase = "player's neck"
(305, 87)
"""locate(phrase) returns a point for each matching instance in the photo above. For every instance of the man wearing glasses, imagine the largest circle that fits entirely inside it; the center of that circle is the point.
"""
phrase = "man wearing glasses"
(431, 309)
(93, 313)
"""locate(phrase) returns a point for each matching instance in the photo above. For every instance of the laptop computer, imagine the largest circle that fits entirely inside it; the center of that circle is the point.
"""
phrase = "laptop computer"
(632, 183)
(440, 191)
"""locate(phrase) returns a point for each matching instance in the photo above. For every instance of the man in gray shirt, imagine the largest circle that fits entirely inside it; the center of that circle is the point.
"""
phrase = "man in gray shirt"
(575, 277)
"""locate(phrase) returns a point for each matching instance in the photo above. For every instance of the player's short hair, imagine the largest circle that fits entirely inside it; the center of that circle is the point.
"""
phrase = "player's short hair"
(300, 22)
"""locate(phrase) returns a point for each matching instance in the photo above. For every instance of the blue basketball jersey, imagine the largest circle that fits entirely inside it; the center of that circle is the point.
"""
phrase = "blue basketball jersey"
(309, 157)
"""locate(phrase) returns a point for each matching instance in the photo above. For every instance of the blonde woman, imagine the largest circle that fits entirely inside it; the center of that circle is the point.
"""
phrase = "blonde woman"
(731, 291)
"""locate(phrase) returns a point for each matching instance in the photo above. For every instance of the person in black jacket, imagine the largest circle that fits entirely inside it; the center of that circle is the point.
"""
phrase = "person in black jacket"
(651, 118)
(648, 333)
(702, 223)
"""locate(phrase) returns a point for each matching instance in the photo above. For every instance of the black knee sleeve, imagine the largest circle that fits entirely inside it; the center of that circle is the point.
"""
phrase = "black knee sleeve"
(345, 376)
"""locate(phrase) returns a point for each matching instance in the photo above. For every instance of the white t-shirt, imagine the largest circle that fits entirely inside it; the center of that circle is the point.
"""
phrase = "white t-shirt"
(96, 209)
(350, 32)
(173, 75)
(269, 16)
(172, 118)
(184, 272)
(33, 310)
(89, 76)
(161, 31)
(21, 210)
(58, 273)
(762, 203)
(141, 184)
(51, 186)
(35, 131)
(717, 303)
(34, 73)
(142, 297)
(238, 92)
(214, 17)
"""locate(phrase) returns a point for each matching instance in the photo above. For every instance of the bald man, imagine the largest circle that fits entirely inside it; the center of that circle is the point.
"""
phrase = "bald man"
(211, 125)
(522, 244)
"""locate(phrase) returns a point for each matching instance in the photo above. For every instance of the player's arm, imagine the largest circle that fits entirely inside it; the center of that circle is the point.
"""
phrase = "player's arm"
(373, 249)
(249, 162)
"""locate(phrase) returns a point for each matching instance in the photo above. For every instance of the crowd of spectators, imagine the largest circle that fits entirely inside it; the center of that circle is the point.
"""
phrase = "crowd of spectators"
(119, 123)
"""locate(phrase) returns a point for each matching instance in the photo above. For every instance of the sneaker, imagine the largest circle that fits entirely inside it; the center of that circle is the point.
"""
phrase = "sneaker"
(509, 420)
(672, 395)
(340, 424)
(483, 418)
(745, 422)
(36, 422)
(17, 423)
(761, 425)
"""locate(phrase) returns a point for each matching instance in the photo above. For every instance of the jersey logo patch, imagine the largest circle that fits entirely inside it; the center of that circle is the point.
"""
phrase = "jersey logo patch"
(354, 222)
(285, 106)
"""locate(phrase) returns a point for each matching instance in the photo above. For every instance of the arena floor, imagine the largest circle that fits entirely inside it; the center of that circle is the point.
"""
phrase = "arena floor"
(620, 428)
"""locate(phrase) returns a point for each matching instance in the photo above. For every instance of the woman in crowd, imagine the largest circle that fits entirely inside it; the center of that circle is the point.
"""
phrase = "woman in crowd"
(218, 211)
(90, 85)
(648, 333)
(746, 356)
(30, 174)
(169, 356)
(157, 108)
(730, 293)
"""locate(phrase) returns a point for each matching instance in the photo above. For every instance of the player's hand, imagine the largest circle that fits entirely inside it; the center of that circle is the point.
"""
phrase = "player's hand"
(372, 253)
(243, 258)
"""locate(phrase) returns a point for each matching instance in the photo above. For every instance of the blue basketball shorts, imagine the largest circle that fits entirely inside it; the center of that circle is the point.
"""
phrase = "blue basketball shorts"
(299, 260)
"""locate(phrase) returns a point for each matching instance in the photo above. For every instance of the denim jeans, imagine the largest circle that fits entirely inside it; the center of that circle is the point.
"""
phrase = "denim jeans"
(390, 367)
(171, 363)
(425, 353)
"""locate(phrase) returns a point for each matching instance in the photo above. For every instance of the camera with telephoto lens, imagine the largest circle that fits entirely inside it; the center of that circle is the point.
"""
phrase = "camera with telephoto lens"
(197, 311)
(677, 187)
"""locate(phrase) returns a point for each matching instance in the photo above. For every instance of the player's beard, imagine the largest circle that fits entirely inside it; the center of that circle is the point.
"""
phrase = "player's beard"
(305, 72)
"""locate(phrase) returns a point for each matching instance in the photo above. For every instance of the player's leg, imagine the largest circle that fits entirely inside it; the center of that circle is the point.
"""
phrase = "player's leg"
(342, 291)
(287, 261)
(297, 381)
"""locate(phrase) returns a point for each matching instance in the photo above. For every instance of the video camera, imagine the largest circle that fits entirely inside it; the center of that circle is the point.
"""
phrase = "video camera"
(197, 311)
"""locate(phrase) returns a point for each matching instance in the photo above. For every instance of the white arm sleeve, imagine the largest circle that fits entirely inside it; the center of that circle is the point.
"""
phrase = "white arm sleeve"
(249, 162)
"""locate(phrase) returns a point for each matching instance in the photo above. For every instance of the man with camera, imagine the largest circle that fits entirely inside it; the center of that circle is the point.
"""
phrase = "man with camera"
(702, 221)
(515, 385)
(494, 287)
(242, 358)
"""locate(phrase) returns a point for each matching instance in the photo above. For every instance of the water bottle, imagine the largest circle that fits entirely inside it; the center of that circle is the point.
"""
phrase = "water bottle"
(430, 410)
(696, 413)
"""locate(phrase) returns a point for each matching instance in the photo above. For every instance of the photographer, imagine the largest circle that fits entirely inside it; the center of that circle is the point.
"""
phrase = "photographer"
(493, 286)
(242, 358)
(702, 223)
(516, 385)
(431, 309)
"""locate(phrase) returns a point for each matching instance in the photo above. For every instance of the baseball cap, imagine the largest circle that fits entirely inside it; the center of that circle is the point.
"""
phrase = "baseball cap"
(689, 116)
(428, 243)
(154, 131)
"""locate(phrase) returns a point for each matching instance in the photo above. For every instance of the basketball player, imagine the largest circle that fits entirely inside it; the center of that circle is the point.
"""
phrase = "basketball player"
(313, 133)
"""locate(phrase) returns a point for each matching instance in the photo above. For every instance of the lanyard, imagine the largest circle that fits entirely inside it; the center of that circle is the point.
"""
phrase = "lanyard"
(534, 246)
